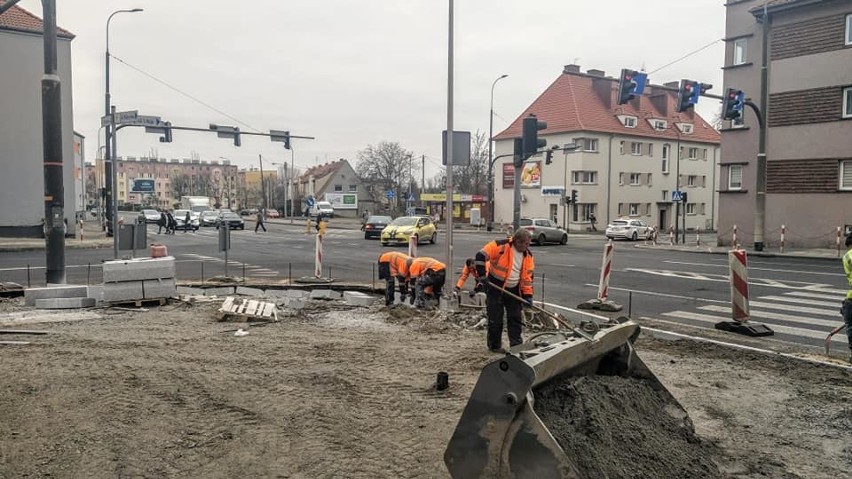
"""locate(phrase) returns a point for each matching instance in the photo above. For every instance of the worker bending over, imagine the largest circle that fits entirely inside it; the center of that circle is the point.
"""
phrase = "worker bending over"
(469, 270)
(428, 276)
(392, 266)
(510, 266)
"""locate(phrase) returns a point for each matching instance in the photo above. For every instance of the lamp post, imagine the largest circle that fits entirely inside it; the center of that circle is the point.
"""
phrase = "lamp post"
(490, 162)
(109, 168)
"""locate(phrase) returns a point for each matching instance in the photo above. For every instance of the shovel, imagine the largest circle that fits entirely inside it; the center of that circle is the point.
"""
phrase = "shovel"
(555, 317)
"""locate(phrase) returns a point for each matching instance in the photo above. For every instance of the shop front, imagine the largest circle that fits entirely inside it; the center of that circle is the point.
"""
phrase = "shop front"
(436, 205)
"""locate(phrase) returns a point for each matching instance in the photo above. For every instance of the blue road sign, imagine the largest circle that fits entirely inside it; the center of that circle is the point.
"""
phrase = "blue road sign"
(410, 197)
(309, 201)
(640, 79)
(676, 196)
(740, 101)
(390, 194)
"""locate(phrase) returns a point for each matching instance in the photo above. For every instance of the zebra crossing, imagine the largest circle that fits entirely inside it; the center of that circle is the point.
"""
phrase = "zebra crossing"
(807, 315)
(250, 269)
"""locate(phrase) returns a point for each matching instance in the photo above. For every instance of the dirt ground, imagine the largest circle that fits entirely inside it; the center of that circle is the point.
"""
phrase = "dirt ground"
(349, 392)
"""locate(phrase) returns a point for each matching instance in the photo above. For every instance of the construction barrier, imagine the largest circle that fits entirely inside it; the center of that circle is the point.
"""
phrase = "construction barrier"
(734, 243)
(739, 285)
(671, 235)
(783, 233)
(412, 246)
(698, 237)
(838, 241)
(606, 268)
(318, 257)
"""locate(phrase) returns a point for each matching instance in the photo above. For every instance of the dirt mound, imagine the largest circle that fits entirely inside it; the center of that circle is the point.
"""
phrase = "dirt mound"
(624, 427)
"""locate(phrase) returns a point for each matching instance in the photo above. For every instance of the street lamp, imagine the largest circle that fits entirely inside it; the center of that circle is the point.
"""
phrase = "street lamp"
(490, 162)
(109, 166)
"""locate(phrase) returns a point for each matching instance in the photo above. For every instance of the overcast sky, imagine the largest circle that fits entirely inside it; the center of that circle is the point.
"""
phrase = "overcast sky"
(353, 73)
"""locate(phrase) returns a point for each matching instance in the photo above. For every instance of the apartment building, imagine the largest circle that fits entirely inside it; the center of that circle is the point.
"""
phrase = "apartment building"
(808, 118)
(629, 158)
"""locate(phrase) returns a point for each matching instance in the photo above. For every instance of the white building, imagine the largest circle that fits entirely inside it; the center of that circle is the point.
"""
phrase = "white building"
(21, 152)
(627, 163)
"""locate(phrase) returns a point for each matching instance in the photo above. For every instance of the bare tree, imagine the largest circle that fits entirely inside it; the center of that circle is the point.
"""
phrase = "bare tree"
(386, 166)
(179, 184)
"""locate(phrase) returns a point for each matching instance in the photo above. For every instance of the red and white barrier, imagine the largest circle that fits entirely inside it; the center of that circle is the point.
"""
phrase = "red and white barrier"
(698, 237)
(734, 243)
(412, 246)
(671, 235)
(739, 285)
(838, 241)
(606, 268)
(318, 258)
(783, 234)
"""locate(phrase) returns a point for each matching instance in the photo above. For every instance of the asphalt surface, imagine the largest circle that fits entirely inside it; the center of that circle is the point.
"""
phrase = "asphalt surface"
(797, 297)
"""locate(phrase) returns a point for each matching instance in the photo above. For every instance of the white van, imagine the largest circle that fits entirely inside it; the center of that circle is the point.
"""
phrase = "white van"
(324, 207)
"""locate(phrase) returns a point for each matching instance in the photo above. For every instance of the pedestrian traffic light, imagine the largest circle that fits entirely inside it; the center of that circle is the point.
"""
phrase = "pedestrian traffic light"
(518, 153)
(687, 94)
(732, 104)
(531, 141)
(627, 85)
(548, 157)
(167, 133)
(573, 197)
(683, 197)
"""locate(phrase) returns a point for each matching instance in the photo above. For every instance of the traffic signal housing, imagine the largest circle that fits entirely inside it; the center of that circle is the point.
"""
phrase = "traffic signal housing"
(518, 153)
(167, 133)
(687, 95)
(573, 197)
(732, 104)
(282, 136)
(626, 85)
(531, 141)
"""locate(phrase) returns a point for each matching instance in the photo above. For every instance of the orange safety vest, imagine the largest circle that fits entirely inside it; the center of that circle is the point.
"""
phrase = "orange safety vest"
(418, 266)
(499, 255)
(470, 270)
(398, 263)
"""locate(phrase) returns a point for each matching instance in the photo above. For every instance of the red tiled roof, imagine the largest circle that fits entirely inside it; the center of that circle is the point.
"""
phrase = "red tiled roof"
(320, 171)
(571, 104)
(18, 19)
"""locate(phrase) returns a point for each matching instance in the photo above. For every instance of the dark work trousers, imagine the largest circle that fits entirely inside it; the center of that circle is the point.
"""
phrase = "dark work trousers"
(435, 279)
(495, 303)
(259, 224)
(846, 311)
(385, 274)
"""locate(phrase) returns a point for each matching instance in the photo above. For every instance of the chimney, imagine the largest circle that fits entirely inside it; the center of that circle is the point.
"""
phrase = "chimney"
(603, 89)
(596, 73)
(571, 69)
(660, 98)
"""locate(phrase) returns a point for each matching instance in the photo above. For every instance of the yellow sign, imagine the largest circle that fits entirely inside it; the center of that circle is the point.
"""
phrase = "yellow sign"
(439, 197)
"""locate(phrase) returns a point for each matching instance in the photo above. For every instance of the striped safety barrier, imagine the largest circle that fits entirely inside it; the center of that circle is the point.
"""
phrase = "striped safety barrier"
(318, 257)
(734, 243)
(606, 268)
(412, 246)
(838, 242)
(783, 234)
(739, 285)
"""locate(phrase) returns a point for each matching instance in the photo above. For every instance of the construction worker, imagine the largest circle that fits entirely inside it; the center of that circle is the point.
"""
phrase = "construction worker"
(428, 276)
(393, 265)
(846, 308)
(469, 270)
(511, 268)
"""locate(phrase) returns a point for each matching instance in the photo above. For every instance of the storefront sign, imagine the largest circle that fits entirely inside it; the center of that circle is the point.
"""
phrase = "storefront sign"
(343, 201)
(531, 175)
(552, 191)
(508, 175)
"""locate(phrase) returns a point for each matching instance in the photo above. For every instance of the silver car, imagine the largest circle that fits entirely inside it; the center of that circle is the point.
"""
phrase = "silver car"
(628, 229)
(544, 231)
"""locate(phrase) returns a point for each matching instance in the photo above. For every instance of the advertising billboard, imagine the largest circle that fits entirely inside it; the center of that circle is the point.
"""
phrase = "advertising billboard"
(141, 185)
(531, 175)
(508, 175)
(342, 201)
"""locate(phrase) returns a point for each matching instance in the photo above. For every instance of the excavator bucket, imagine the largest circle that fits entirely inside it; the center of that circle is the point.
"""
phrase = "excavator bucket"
(559, 405)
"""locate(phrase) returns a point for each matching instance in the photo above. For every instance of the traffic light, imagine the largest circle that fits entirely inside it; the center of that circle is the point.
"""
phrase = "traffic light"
(732, 104)
(687, 94)
(282, 136)
(626, 86)
(518, 153)
(531, 141)
(548, 157)
(683, 197)
(573, 197)
(227, 132)
(167, 133)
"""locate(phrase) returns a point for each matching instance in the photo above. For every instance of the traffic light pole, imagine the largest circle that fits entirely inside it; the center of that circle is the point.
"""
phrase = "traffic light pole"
(760, 180)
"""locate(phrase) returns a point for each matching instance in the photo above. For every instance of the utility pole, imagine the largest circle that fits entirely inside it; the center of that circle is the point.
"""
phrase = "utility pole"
(262, 185)
(423, 173)
(449, 155)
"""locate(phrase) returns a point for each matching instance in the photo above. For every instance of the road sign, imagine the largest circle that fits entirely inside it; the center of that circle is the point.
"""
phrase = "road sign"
(390, 194)
(120, 117)
(140, 120)
(410, 197)
(676, 196)
(309, 201)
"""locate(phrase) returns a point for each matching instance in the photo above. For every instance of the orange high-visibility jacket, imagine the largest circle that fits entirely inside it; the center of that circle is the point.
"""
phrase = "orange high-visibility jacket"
(418, 266)
(498, 255)
(398, 263)
(470, 270)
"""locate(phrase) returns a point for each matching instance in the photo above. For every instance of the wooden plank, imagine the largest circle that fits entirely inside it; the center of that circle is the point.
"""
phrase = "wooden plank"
(242, 307)
(226, 306)
(251, 309)
(267, 309)
(22, 331)
(14, 343)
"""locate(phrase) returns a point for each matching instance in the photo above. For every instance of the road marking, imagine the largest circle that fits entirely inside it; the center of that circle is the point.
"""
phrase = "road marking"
(752, 268)
(811, 302)
(720, 278)
(797, 309)
(807, 333)
(837, 298)
(664, 295)
(778, 316)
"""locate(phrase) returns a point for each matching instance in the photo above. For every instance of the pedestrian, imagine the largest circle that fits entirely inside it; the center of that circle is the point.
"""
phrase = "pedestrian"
(172, 223)
(593, 220)
(468, 271)
(428, 276)
(511, 268)
(163, 222)
(187, 221)
(846, 308)
(259, 223)
(393, 265)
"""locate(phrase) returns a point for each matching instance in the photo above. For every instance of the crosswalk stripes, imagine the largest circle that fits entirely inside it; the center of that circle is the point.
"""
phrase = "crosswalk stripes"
(251, 270)
(764, 310)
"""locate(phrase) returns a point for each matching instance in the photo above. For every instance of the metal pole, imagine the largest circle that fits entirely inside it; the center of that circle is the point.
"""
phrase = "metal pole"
(449, 154)
(292, 183)
(262, 186)
(54, 194)
(490, 181)
(202, 271)
(114, 181)
(760, 182)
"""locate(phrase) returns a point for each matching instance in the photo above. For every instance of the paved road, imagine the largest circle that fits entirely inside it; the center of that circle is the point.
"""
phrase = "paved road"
(798, 298)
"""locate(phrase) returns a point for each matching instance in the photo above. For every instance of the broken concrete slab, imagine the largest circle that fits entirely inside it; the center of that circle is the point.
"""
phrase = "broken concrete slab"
(249, 291)
(60, 291)
(325, 294)
(190, 291)
(159, 288)
(139, 269)
(96, 292)
(220, 291)
(356, 298)
(64, 303)
(123, 291)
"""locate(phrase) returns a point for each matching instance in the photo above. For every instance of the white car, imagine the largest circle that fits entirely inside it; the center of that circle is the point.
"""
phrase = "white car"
(628, 229)
(180, 219)
(323, 207)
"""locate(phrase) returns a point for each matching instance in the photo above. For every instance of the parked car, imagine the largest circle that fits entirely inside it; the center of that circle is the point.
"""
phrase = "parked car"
(248, 211)
(273, 214)
(180, 219)
(374, 226)
(400, 229)
(628, 229)
(232, 220)
(323, 207)
(149, 216)
(209, 218)
(544, 231)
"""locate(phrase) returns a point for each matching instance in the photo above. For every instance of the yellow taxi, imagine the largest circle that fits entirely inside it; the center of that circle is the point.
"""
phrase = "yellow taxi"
(401, 229)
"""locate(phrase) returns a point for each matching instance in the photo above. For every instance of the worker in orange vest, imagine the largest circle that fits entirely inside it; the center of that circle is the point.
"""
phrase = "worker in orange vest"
(393, 265)
(468, 271)
(510, 266)
(426, 274)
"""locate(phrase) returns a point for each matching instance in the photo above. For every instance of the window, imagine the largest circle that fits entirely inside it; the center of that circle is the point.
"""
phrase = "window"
(635, 179)
(589, 144)
(635, 148)
(846, 175)
(690, 208)
(621, 178)
(847, 102)
(849, 29)
(586, 210)
(659, 124)
(650, 149)
(685, 127)
(585, 177)
(665, 195)
(735, 177)
(338, 187)
(740, 51)
(633, 209)
(630, 121)
(353, 188)
(692, 153)
(665, 165)
(691, 180)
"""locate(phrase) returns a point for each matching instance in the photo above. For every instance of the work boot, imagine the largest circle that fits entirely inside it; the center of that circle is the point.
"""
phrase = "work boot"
(497, 350)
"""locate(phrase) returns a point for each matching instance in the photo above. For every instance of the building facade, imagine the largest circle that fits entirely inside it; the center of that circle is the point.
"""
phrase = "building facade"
(628, 161)
(335, 182)
(808, 117)
(21, 151)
